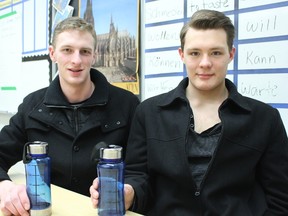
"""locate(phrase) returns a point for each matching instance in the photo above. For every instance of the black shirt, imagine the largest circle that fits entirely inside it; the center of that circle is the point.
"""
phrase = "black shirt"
(200, 149)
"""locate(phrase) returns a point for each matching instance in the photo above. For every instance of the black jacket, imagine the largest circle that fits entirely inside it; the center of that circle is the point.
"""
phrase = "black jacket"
(71, 133)
(248, 173)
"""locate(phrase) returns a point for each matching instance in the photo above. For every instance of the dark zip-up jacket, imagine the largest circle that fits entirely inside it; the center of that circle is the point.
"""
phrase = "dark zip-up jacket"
(247, 175)
(71, 131)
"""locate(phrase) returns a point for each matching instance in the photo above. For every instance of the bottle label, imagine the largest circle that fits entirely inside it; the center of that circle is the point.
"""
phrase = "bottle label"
(111, 195)
(38, 185)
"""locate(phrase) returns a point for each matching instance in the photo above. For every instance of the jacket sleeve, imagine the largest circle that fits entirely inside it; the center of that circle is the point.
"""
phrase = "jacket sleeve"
(136, 162)
(12, 140)
(274, 168)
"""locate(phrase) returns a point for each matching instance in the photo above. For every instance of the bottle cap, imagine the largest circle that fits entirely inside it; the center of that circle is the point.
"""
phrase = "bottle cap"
(38, 147)
(112, 152)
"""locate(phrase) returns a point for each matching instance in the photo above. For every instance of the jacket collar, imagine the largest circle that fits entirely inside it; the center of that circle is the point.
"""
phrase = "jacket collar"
(55, 97)
(179, 94)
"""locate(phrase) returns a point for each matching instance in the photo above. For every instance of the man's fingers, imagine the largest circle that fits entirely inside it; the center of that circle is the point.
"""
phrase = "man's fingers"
(24, 198)
(15, 201)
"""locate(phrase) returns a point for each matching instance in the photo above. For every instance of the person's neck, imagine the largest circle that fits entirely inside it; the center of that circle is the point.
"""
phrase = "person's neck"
(205, 106)
(77, 94)
(199, 98)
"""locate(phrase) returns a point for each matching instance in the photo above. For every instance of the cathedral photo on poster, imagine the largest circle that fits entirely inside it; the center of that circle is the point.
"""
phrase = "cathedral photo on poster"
(116, 26)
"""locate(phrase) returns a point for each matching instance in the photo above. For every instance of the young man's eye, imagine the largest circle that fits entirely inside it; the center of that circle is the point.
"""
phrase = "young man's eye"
(216, 53)
(194, 53)
(86, 52)
(66, 50)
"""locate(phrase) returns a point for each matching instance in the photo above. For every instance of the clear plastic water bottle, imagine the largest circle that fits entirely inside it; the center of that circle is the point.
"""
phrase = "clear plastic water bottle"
(37, 170)
(111, 182)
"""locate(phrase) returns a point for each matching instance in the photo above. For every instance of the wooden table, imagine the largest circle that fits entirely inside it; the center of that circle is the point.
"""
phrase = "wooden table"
(65, 202)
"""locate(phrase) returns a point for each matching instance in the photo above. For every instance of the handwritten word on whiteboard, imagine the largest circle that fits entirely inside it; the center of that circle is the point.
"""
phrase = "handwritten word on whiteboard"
(163, 62)
(263, 55)
(163, 36)
(158, 11)
(155, 86)
(220, 5)
(265, 23)
(271, 89)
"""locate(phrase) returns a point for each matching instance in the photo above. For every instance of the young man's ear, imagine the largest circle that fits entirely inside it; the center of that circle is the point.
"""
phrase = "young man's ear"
(51, 53)
(232, 53)
(181, 54)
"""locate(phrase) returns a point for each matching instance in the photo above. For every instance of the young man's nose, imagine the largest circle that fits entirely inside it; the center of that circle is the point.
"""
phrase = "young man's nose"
(205, 61)
(76, 58)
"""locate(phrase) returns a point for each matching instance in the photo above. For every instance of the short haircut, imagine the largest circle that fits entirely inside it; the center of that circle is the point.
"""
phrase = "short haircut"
(209, 19)
(74, 23)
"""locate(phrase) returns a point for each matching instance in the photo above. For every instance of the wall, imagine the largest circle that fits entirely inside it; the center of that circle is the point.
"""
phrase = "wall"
(4, 119)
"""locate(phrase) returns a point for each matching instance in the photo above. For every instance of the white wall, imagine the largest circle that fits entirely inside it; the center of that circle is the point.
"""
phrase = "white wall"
(4, 119)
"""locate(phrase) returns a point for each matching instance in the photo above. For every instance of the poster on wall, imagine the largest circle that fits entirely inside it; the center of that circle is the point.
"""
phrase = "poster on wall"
(116, 24)
(62, 11)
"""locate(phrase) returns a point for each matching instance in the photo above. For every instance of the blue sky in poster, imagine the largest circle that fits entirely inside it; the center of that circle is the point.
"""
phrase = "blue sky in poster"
(123, 12)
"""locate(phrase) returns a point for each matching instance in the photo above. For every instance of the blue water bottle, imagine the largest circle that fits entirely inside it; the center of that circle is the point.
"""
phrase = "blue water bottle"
(111, 182)
(37, 170)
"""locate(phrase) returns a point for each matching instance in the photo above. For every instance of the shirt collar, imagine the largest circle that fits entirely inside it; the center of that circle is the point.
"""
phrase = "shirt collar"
(55, 97)
(179, 93)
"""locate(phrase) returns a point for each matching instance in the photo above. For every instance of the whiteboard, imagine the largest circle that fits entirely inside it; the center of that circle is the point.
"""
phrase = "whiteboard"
(24, 32)
(260, 67)
(11, 60)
